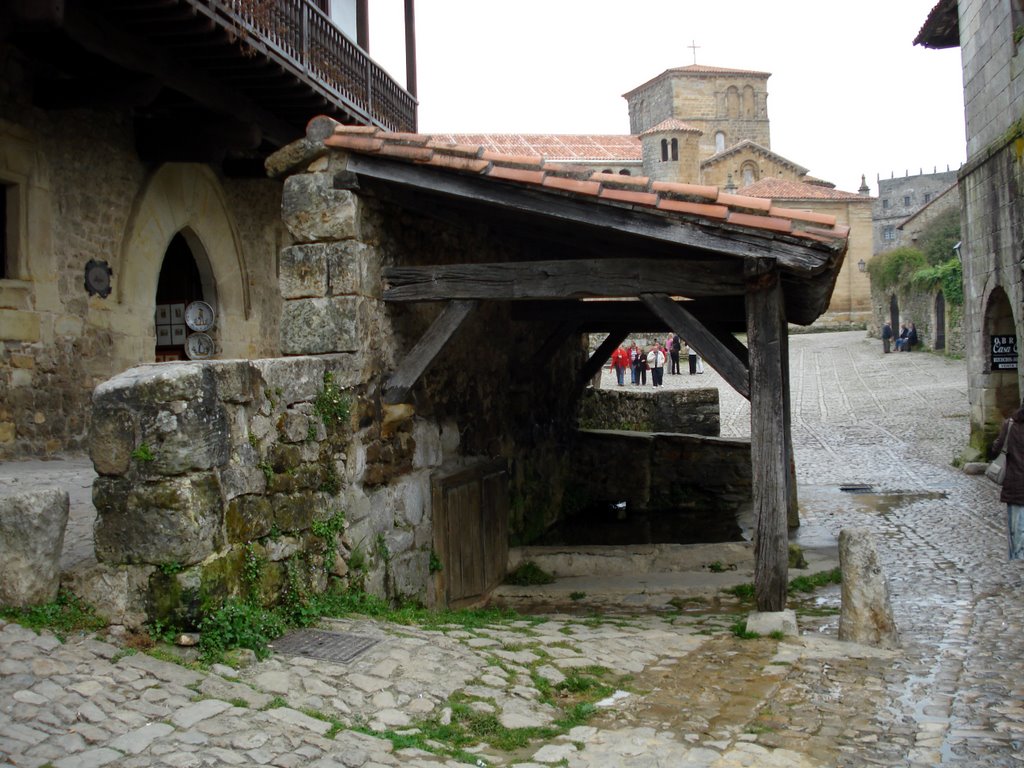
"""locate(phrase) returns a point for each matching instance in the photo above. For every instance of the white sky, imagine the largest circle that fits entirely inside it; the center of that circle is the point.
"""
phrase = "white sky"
(849, 92)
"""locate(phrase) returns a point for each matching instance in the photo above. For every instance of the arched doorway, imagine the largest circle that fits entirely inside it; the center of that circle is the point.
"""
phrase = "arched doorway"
(894, 314)
(940, 321)
(1001, 392)
(185, 276)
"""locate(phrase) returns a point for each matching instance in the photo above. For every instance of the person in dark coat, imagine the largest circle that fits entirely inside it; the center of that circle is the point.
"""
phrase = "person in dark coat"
(911, 338)
(886, 337)
(1012, 493)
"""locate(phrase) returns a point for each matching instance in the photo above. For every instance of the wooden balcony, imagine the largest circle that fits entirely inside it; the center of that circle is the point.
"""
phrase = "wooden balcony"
(205, 80)
(300, 38)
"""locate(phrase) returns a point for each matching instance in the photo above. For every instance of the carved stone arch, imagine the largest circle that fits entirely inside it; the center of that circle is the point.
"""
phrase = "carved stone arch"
(184, 198)
(749, 102)
(732, 99)
(1000, 393)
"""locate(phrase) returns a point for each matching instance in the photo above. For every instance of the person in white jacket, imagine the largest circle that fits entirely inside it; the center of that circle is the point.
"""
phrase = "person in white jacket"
(656, 362)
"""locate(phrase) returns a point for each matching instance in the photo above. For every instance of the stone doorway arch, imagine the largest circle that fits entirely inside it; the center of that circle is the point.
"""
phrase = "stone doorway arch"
(939, 323)
(1000, 393)
(186, 275)
(894, 314)
(186, 201)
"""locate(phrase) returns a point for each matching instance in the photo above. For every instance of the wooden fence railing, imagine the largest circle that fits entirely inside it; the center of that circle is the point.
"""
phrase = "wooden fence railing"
(300, 36)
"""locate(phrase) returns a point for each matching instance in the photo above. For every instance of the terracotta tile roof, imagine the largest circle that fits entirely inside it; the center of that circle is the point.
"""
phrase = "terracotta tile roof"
(781, 189)
(553, 146)
(693, 202)
(671, 124)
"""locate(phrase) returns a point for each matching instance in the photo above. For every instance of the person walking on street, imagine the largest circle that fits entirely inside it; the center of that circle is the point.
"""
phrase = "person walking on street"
(886, 337)
(620, 361)
(673, 350)
(1012, 493)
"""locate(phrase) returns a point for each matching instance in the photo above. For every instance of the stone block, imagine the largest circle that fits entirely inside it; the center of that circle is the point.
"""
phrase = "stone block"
(320, 326)
(303, 271)
(19, 325)
(111, 440)
(773, 621)
(164, 383)
(237, 480)
(117, 592)
(313, 210)
(248, 517)
(354, 269)
(298, 511)
(297, 379)
(866, 613)
(31, 538)
(175, 520)
(237, 381)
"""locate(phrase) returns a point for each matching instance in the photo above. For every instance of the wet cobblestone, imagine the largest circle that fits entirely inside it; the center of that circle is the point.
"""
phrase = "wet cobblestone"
(953, 694)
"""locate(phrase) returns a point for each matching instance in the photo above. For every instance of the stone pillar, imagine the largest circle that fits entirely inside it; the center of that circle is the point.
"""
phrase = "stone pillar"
(866, 614)
(31, 538)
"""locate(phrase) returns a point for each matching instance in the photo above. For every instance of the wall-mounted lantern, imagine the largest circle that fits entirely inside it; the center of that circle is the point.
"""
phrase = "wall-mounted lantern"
(861, 265)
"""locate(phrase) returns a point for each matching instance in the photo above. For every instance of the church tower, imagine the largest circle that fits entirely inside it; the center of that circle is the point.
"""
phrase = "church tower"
(727, 106)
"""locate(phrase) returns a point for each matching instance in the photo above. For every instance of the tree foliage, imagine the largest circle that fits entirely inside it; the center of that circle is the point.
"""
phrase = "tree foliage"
(932, 264)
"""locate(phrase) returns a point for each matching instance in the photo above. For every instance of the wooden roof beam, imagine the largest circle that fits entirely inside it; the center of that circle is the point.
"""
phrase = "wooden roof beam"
(570, 278)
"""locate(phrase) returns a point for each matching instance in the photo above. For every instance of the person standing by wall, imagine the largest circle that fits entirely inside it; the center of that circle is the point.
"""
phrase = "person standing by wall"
(656, 362)
(674, 347)
(1012, 493)
(691, 357)
(886, 337)
(620, 361)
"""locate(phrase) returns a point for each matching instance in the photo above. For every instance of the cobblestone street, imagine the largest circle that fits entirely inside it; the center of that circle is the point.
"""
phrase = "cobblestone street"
(694, 694)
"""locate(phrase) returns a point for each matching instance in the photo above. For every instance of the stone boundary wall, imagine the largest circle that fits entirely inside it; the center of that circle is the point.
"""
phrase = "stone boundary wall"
(656, 471)
(687, 411)
(233, 478)
(918, 306)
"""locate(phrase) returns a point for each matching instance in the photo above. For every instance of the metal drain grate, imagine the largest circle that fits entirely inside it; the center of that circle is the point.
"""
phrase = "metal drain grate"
(326, 646)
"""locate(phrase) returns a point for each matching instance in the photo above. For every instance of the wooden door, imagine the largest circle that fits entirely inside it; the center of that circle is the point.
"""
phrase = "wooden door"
(470, 515)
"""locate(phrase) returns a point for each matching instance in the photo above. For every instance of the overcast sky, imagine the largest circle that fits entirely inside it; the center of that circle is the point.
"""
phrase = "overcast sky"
(849, 92)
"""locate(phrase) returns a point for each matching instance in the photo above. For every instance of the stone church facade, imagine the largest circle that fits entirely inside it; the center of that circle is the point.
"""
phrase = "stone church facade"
(709, 125)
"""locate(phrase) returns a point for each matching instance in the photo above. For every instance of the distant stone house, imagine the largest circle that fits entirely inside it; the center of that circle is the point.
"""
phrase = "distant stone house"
(709, 125)
(991, 206)
(900, 198)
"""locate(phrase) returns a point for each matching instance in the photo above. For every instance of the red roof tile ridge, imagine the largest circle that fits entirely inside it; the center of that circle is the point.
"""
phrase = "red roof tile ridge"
(745, 201)
(671, 124)
(530, 162)
(612, 179)
(702, 192)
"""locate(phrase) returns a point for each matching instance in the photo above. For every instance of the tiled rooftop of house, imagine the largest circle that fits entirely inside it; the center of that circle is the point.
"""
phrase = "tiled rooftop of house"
(698, 203)
(781, 189)
(558, 147)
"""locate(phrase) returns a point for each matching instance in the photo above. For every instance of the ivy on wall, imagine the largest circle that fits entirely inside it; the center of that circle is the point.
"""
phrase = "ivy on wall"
(929, 266)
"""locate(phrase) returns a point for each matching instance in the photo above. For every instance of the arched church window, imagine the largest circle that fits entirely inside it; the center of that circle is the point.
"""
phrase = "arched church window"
(749, 174)
(720, 141)
(624, 172)
(664, 150)
(748, 102)
(675, 149)
(732, 99)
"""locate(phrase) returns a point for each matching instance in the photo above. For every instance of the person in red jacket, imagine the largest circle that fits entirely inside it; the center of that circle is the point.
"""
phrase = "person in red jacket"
(620, 362)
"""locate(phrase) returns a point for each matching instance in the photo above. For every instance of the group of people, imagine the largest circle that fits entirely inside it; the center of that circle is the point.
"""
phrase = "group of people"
(906, 341)
(638, 359)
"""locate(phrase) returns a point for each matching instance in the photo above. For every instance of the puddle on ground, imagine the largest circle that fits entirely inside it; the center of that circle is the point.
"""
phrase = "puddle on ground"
(885, 503)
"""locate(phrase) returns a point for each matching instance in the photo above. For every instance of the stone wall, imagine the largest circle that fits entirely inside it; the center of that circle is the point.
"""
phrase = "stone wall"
(81, 193)
(661, 475)
(918, 307)
(224, 479)
(686, 411)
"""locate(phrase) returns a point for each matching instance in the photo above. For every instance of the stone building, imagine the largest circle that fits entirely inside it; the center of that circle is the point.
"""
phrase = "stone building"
(899, 199)
(709, 125)
(991, 207)
(132, 143)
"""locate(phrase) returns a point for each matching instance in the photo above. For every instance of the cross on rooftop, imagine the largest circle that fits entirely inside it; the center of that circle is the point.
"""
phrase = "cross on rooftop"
(694, 46)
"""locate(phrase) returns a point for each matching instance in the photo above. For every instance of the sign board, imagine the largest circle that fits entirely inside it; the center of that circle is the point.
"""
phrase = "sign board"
(1004, 353)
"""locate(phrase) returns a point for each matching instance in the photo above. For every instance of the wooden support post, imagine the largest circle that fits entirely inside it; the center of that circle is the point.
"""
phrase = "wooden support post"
(427, 348)
(793, 508)
(766, 329)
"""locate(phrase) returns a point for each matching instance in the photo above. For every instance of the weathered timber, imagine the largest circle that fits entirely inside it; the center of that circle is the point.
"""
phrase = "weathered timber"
(396, 390)
(554, 340)
(722, 315)
(576, 278)
(723, 240)
(710, 347)
(792, 506)
(598, 359)
(766, 324)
